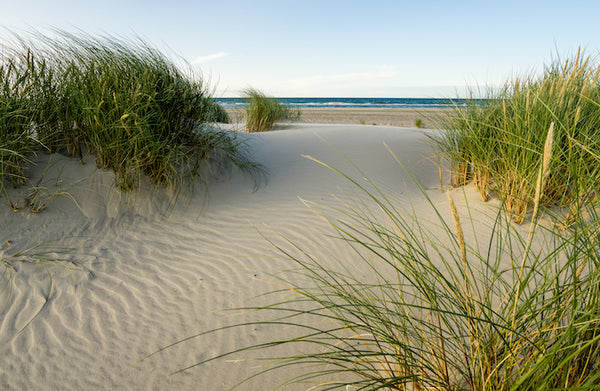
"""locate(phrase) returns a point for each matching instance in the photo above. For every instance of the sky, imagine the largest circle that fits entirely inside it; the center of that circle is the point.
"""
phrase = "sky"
(331, 48)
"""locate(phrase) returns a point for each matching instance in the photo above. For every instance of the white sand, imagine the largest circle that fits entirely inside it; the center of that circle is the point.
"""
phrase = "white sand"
(160, 277)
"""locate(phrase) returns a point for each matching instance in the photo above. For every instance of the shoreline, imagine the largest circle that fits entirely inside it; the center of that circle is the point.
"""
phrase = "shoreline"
(397, 116)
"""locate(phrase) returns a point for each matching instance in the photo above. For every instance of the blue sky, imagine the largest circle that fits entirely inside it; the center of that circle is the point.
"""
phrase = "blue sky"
(337, 48)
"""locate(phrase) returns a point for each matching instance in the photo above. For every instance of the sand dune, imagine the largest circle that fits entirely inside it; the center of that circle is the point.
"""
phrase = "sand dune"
(153, 274)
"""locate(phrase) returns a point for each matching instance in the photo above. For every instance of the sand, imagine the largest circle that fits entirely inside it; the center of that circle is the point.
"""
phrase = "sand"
(402, 117)
(152, 273)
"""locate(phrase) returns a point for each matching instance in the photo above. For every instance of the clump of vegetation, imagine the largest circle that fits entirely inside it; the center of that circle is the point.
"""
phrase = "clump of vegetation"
(497, 143)
(125, 102)
(216, 112)
(419, 123)
(262, 111)
(16, 136)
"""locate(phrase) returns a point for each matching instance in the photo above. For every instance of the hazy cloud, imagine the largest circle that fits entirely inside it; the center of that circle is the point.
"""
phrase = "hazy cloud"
(384, 72)
(210, 57)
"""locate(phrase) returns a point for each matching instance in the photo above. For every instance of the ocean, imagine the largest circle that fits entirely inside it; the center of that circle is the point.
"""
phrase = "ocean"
(353, 102)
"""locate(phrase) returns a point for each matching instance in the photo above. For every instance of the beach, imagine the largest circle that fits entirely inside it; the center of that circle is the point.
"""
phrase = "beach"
(138, 272)
(299, 196)
(147, 271)
(387, 116)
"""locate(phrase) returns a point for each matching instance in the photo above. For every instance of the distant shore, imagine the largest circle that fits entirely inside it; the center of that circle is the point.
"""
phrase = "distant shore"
(403, 117)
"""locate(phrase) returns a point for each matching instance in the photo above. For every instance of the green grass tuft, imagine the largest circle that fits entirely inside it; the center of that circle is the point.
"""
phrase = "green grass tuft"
(262, 111)
(497, 144)
(123, 101)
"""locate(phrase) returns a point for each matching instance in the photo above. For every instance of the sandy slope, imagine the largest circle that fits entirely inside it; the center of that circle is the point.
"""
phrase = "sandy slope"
(157, 275)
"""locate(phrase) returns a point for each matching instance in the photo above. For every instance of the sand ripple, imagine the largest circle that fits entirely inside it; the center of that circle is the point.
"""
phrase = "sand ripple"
(157, 275)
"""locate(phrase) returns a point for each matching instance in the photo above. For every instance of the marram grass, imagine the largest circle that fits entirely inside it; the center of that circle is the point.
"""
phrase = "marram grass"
(262, 111)
(497, 144)
(125, 102)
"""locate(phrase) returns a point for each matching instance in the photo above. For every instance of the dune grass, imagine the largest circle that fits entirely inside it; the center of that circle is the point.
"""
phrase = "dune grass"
(16, 139)
(121, 100)
(262, 111)
(439, 313)
(497, 144)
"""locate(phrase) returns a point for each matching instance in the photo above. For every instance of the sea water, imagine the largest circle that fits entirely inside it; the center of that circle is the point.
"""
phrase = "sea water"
(354, 102)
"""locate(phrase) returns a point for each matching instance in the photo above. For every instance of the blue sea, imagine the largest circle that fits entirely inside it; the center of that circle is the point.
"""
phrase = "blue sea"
(353, 102)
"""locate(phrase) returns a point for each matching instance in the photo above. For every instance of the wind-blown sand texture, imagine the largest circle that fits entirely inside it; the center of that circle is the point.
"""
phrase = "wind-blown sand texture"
(158, 274)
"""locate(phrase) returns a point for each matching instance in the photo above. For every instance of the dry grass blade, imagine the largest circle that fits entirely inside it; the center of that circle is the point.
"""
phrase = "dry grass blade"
(539, 188)
(459, 232)
(544, 171)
